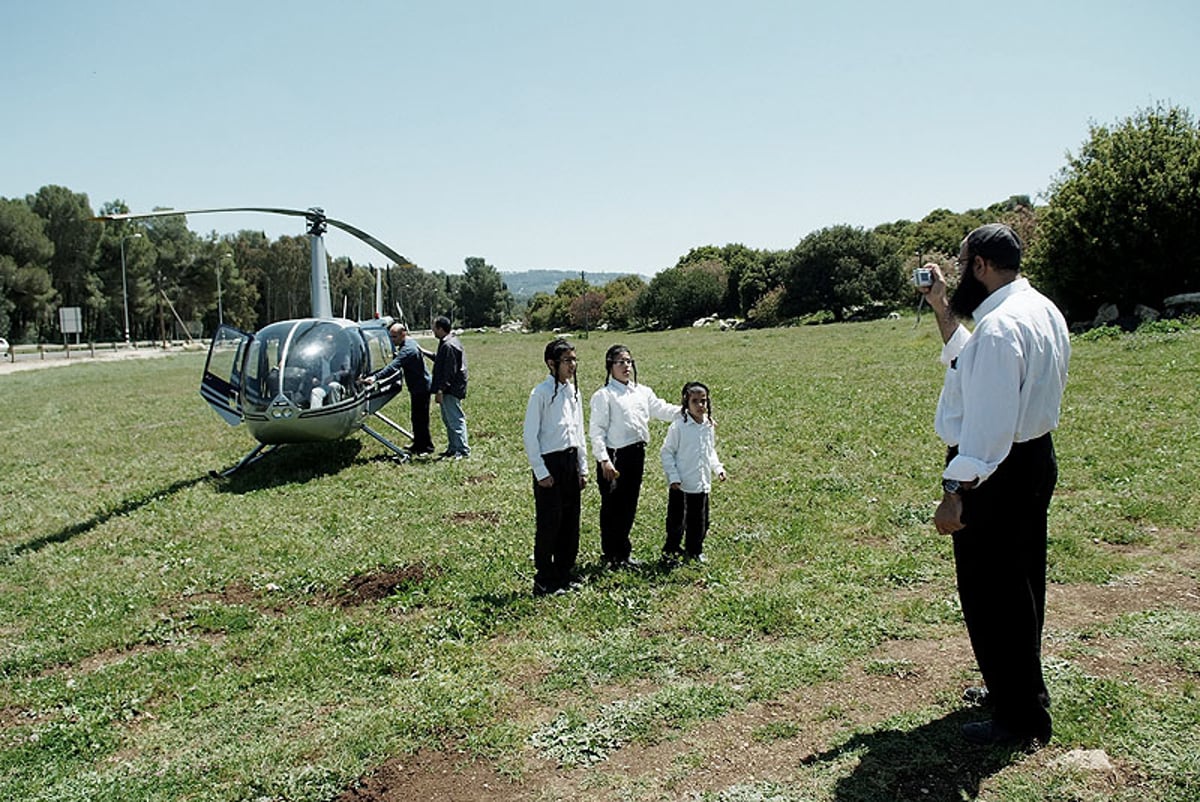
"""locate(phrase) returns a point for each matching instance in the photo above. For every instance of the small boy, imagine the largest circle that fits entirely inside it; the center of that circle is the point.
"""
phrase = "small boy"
(689, 458)
(557, 451)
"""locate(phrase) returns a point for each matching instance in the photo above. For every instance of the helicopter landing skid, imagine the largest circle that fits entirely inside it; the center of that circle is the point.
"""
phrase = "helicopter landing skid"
(254, 456)
(399, 452)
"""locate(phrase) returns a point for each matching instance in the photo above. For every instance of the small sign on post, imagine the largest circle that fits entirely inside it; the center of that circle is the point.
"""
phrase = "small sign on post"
(70, 322)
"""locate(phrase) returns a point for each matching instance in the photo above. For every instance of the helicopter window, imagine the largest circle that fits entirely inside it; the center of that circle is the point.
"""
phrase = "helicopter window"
(224, 356)
(323, 365)
(261, 383)
(379, 347)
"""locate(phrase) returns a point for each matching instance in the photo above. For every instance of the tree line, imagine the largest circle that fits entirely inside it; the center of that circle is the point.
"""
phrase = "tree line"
(1118, 226)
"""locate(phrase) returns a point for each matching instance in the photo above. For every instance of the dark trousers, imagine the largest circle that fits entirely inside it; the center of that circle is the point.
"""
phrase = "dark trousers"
(556, 538)
(422, 439)
(687, 522)
(1000, 563)
(619, 500)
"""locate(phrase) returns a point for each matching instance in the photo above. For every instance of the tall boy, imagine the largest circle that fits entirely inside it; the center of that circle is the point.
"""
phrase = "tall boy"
(557, 451)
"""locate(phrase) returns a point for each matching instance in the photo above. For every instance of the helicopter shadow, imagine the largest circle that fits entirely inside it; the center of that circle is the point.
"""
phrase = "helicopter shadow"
(126, 507)
(295, 463)
(929, 762)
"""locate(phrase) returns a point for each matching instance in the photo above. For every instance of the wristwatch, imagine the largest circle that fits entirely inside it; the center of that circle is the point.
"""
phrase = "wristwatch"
(955, 487)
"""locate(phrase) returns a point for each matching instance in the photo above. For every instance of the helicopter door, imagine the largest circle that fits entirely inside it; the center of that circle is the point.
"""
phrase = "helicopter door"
(222, 383)
(379, 354)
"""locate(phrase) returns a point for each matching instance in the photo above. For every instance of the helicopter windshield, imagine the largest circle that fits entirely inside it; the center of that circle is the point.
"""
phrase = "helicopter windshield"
(313, 363)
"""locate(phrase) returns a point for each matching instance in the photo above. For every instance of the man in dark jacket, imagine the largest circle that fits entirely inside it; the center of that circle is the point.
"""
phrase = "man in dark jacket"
(450, 387)
(409, 358)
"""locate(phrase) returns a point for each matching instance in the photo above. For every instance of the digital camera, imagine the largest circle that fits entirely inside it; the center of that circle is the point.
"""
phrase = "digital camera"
(922, 277)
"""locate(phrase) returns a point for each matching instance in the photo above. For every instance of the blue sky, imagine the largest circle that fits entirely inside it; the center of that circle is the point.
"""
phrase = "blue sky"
(608, 136)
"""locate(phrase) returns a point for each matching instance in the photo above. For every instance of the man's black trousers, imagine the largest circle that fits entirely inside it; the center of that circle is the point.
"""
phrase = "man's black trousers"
(1000, 562)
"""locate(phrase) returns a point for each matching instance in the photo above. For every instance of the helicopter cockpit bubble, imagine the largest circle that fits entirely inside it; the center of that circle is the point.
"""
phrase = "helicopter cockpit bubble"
(307, 363)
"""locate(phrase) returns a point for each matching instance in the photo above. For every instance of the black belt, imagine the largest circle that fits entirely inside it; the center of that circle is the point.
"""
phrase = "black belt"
(566, 452)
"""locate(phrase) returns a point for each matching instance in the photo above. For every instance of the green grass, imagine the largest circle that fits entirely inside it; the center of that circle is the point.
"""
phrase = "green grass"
(166, 636)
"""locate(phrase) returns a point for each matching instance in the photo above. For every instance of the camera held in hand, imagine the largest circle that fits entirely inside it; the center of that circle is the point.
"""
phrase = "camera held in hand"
(922, 277)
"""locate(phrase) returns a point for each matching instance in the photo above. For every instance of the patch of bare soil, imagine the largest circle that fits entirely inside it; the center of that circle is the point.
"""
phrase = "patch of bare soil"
(775, 741)
(374, 585)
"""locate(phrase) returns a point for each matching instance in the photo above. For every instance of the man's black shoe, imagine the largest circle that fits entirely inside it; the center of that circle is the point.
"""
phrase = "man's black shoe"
(989, 733)
(976, 695)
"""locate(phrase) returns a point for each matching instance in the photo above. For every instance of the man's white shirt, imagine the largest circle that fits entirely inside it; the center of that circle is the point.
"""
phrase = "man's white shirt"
(1004, 382)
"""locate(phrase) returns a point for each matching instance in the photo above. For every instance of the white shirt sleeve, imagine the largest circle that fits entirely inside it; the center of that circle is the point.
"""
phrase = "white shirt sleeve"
(714, 461)
(661, 410)
(991, 403)
(954, 345)
(581, 451)
(533, 425)
(669, 454)
(598, 426)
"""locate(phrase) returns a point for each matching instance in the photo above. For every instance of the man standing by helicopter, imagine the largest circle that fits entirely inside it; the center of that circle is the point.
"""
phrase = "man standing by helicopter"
(450, 384)
(409, 357)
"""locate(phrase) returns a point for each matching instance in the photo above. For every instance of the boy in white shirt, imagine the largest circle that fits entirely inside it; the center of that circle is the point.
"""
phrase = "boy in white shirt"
(689, 458)
(619, 428)
(557, 451)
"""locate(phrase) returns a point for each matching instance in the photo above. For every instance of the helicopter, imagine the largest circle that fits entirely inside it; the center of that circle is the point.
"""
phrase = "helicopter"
(300, 380)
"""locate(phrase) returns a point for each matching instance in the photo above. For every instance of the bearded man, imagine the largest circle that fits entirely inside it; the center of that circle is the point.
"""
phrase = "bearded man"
(999, 403)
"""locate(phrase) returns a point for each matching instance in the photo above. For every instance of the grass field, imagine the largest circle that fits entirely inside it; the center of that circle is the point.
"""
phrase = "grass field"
(332, 624)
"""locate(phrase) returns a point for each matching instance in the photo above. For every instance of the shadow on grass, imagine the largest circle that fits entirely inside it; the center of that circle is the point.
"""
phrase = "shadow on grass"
(930, 762)
(295, 464)
(124, 508)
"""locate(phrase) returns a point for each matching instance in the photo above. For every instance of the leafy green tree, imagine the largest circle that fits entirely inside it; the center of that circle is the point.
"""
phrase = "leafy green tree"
(26, 292)
(539, 312)
(482, 297)
(76, 239)
(1123, 216)
(547, 312)
(838, 269)
(421, 295)
(680, 295)
(620, 299)
(741, 264)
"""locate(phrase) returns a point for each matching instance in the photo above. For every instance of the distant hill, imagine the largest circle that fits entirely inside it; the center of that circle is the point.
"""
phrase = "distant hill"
(524, 284)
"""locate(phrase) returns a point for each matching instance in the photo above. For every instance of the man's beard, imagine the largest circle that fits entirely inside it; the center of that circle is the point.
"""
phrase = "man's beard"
(968, 295)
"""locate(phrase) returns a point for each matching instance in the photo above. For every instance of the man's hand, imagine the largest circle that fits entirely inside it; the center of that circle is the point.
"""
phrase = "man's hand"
(938, 298)
(547, 482)
(948, 515)
(438, 399)
(935, 293)
(609, 470)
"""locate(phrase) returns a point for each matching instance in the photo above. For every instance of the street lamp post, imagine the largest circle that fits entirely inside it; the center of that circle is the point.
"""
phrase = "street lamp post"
(124, 288)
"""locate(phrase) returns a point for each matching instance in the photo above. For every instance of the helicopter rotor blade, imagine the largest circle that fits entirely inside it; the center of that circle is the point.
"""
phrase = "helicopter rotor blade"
(367, 238)
(174, 212)
(312, 215)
